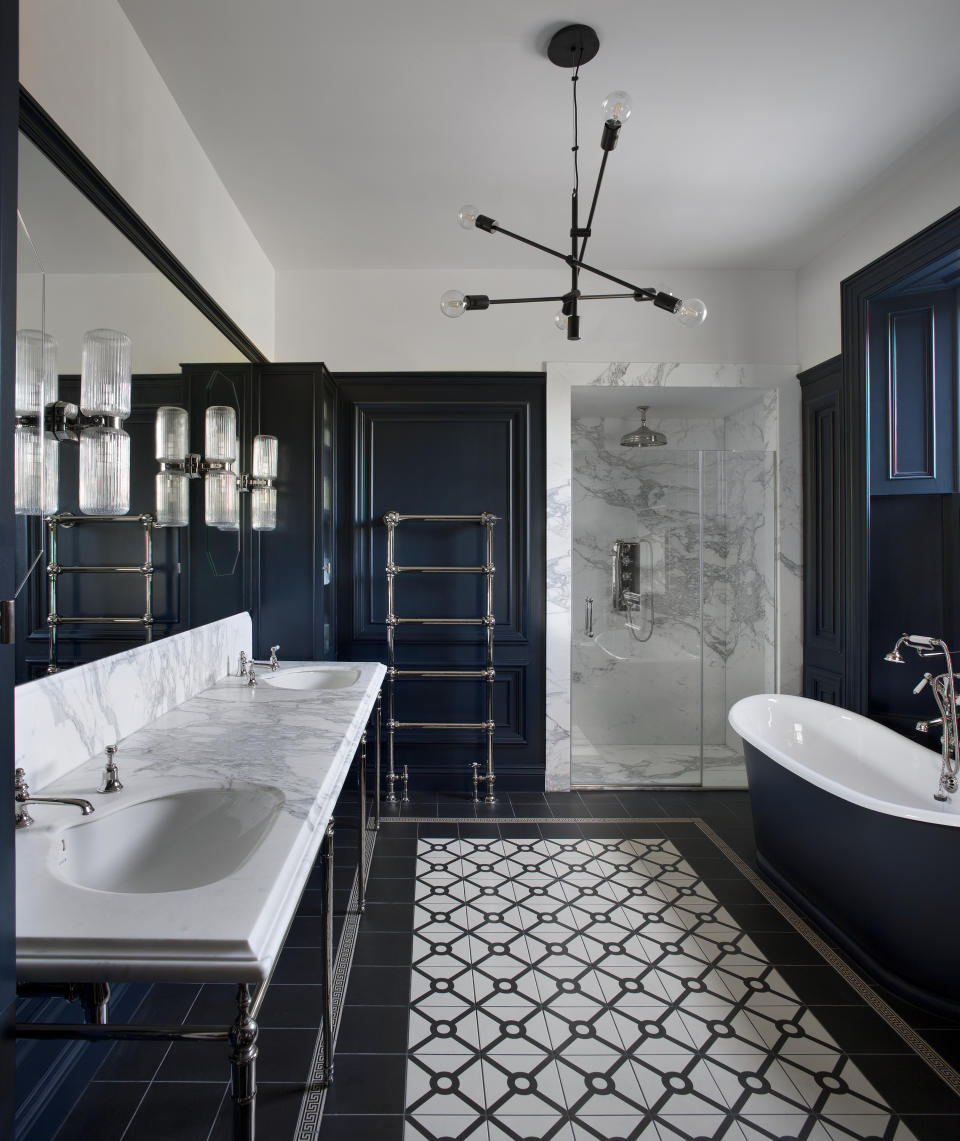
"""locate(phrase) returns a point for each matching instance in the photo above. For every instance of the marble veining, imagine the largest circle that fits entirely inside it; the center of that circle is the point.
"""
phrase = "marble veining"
(230, 930)
(69, 716)
(756, 616)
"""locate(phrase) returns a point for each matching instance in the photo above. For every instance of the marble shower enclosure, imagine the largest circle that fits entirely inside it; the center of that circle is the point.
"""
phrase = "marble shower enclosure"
(750, 660)
(655, 680)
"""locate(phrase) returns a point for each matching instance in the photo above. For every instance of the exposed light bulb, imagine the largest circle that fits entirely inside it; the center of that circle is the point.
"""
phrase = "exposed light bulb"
(561, 321)
(617, 105)
(453, 303)
(691, 312)
(468, 216)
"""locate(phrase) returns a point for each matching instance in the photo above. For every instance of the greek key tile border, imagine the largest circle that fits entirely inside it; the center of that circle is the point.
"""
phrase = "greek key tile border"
(315, 1093)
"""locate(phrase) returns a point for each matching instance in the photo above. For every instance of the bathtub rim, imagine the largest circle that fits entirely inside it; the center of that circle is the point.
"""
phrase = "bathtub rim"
(745, 713)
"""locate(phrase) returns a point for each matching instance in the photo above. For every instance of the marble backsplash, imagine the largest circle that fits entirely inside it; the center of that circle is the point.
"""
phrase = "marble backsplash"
(64, 719)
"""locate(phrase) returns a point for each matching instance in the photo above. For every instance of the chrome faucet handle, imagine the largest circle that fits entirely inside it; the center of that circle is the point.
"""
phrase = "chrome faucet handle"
(926, 726)
(21, 794)
(251, 675)
(274, 664)
(110, 782)
(242, 668)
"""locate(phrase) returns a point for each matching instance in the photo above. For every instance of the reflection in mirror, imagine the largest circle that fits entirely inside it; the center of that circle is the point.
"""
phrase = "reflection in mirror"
(77, 272)
(222, 511)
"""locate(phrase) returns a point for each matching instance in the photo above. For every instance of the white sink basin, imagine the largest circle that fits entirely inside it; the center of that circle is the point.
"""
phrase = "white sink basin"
(171, 843)
(313, 677)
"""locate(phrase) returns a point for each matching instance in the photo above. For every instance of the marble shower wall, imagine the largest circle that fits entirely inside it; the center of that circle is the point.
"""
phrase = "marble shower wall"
(772, 424)
(703, 518)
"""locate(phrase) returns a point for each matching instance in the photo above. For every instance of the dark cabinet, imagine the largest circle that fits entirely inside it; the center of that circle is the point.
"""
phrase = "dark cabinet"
(913, 394)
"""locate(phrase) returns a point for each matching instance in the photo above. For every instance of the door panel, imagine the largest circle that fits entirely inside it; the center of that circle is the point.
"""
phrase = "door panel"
(449, 446)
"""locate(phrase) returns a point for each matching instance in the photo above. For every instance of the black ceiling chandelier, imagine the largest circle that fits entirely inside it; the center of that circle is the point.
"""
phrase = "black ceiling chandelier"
(570, 47)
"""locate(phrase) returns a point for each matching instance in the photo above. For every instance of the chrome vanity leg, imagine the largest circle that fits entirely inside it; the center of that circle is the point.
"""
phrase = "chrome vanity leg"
(326, 1076)
(95, 999)
(376, 811)
(243, 1067)
(362, 829)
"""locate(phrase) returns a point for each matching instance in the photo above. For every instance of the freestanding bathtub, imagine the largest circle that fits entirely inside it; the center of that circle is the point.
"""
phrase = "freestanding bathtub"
(848, 830)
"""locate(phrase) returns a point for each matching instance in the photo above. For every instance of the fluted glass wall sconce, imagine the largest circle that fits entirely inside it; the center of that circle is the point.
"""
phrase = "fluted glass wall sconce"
(36, 458)
(223, 483)
(97, 424)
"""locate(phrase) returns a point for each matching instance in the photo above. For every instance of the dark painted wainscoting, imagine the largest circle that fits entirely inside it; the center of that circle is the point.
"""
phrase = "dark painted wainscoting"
(449, 444)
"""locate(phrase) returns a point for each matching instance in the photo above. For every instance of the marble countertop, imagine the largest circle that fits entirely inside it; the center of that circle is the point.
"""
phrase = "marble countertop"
(299, 743)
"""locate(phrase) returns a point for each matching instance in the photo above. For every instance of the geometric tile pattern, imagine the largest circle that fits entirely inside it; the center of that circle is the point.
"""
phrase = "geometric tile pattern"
(574, 989)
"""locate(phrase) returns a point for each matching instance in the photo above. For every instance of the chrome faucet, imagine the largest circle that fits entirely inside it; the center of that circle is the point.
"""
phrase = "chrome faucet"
(110, 781)
(245, 663)
(944, 691)
(273, 663)
(22, 797)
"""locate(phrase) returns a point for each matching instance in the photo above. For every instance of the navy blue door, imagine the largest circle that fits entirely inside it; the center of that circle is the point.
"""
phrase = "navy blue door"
(449, 445)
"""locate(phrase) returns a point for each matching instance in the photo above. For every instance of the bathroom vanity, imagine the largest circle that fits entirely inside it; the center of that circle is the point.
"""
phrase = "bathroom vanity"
(193, 871)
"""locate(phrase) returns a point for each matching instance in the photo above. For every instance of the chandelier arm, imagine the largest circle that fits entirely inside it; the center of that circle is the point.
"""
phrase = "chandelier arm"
(525, 300)
(639, 291)
(529, 242)
(593, 206)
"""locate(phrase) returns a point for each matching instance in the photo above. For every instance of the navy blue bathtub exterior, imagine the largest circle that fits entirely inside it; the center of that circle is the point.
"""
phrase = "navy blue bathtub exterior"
(883, 887)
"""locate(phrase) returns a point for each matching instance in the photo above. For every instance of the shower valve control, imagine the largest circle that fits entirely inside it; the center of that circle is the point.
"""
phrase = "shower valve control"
(625, 562)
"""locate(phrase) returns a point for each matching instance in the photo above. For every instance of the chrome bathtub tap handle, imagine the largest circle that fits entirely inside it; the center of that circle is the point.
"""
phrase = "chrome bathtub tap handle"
(274, 664)
(251, 675)
(110, 781)
(242, 668)
(926, 726)
(22, 797)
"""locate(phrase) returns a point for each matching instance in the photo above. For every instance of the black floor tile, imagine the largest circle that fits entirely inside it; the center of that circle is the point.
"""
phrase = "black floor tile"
(186, 1112)
(379, 986)
(294, 1005)
(819, 985)
(103, 1112)
(278, 1108)
(298, 965)
(393, 867)
(285, 1054)
(512, 829)
(167, 1003)
(388, 916)
(367, 1084)
(757, 917)
(373, 1030)
(132, 1061)
(196, 1062)
(908, 1084)
(383, 949)
(311, 902)
(933, 1127)
(479, 830)
(559, 830)
(860, 1030)
(710, 868)
(339, 1127)
(392, 890)
(947, 1045)
(536, 811)
(306, 931)
(395, 829)
(785, 947)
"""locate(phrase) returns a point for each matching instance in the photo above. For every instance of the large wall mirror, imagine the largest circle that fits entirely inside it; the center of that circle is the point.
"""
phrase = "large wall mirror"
(83, 266)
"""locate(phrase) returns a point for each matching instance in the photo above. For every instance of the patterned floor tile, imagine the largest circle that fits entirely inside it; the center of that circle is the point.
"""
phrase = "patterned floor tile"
(576, 989)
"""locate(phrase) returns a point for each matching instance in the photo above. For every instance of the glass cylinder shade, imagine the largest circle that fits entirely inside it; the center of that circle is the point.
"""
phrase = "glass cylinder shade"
(220, 500)
(36, 472)
(263, 508)
(172, 434)
(220, 433)
(173, 499)
(265, 450)
(105, 374)
(36, 371)
(104, 471)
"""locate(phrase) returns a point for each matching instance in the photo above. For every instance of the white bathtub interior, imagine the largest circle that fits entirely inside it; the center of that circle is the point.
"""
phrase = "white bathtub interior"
(652, 684)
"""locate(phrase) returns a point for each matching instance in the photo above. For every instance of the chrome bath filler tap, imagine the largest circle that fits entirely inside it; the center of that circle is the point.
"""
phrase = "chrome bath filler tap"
(945, 694)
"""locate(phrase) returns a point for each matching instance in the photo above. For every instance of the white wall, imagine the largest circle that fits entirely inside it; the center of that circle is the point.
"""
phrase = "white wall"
(85, 65)
(368, 320)
(919, 189)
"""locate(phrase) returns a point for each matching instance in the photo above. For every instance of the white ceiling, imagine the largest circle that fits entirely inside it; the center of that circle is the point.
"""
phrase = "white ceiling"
(349, 133)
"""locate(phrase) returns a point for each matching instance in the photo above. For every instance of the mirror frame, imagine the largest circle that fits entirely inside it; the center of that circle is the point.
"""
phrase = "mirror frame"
(51, 141)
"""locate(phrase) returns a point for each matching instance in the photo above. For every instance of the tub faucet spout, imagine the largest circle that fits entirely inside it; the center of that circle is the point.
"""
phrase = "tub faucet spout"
(945, 695)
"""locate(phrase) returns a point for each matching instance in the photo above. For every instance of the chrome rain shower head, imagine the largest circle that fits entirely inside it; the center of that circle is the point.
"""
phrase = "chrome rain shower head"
(643, 437)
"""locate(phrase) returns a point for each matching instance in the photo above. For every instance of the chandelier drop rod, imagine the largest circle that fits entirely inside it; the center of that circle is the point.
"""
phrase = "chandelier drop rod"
(570, 47)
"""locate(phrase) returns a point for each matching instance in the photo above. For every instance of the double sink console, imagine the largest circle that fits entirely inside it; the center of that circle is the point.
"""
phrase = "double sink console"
(194, 871)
